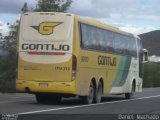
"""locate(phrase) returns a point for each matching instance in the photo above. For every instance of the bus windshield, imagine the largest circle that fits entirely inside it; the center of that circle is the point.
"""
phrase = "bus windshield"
(45, 27)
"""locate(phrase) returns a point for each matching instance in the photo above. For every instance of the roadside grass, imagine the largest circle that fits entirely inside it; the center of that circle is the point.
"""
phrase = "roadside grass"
(151, 75)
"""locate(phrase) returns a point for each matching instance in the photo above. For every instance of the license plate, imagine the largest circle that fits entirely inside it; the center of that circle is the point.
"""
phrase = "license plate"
(43, 84)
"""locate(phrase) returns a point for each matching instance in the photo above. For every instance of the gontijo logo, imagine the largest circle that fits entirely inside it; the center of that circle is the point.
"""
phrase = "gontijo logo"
(46, 28)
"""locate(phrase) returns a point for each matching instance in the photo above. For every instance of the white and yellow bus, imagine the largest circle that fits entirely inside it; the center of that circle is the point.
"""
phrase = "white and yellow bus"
(62, 54)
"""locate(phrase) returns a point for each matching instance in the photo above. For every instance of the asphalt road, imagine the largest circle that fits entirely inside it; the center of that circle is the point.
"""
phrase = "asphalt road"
(147, 102)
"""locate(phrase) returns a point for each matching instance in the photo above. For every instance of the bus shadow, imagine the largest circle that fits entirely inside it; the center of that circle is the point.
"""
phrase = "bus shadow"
(112, 98)
(78, 101)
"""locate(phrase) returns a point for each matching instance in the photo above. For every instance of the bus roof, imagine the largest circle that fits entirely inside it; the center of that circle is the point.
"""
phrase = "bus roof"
(97, 23)
(89, 21)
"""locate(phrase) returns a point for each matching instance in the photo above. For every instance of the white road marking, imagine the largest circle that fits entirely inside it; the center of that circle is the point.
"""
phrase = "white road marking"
(80, 106)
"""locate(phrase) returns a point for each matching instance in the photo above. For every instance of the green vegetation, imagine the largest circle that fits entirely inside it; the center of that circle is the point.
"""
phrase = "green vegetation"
(151, 75)
(8, 72)
(53, 5)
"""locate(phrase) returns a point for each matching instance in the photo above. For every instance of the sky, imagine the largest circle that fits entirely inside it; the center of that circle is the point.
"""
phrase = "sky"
(134, 16)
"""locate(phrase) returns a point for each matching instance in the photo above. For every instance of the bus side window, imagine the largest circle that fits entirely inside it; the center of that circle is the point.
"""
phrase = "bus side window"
(126, 46)
(108, 41)
(99, 39)
(118, 41)
(84, 38)
(133, 48)
(140, 53)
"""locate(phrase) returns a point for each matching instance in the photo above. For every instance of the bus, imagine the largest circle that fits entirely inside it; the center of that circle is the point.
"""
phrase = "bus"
(64, 55)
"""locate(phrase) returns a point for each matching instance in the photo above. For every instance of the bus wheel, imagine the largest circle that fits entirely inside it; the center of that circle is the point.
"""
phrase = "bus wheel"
(99, 93)
(40, 98)
(55, 99)
(130, 95)
(89, 99)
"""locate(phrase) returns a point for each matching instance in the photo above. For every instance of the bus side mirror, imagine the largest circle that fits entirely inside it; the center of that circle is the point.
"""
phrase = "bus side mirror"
(145, 55)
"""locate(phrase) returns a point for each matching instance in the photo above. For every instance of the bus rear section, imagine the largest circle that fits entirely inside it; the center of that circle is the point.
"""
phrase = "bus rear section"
(45, 54)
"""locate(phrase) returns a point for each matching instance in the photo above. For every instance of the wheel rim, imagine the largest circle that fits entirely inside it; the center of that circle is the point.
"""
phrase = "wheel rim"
(130, 95)
(91, 93)
(99, 93)
(133, 90)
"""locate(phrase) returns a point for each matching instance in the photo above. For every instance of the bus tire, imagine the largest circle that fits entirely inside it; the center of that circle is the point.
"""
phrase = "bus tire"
(99, 93)
(55, 99)
(130, 95)
(90, 98)
(40, 98)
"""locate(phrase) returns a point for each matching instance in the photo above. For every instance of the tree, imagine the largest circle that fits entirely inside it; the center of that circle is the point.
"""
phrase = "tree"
(53, 5)
(8, 63)
(25, 8)
(8, 72)
(11, 39)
